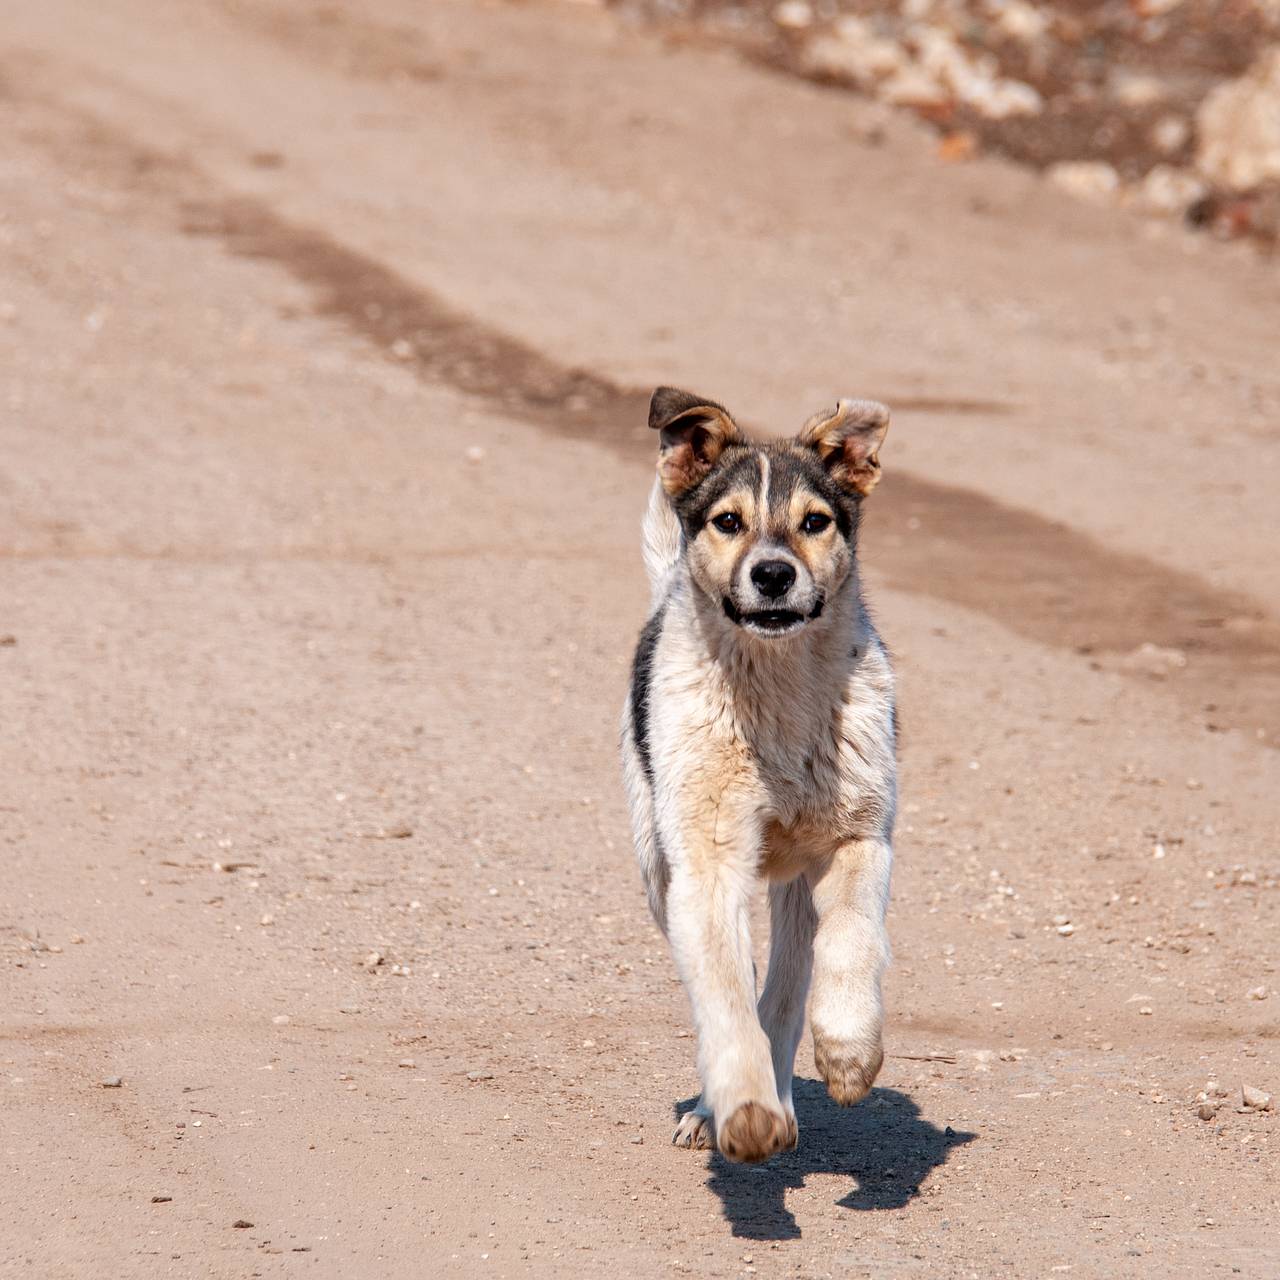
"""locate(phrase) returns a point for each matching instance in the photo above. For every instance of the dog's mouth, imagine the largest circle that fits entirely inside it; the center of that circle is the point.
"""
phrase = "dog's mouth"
(771, 622)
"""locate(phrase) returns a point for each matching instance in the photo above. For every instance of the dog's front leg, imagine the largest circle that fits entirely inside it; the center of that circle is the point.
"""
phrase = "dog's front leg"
(714, 851)
(851, 952)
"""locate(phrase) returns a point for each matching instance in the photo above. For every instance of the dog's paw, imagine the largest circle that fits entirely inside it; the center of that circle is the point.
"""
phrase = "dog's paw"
(849, 1070)
(754, 1133)
(695, 1132)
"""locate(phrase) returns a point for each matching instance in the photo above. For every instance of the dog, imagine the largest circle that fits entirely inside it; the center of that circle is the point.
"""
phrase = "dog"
(758, 741)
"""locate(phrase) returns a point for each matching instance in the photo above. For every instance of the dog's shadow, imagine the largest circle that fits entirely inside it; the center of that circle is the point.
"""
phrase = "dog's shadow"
(882, 1144)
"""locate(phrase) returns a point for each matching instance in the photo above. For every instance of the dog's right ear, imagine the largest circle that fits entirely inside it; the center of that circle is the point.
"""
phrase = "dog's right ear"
(694, 431)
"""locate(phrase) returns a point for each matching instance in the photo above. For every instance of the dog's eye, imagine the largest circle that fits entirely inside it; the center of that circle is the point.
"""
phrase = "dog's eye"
(728, 522)
(815, 522)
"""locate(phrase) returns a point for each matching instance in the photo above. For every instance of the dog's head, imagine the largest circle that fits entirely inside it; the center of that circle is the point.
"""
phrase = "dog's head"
(770, 528)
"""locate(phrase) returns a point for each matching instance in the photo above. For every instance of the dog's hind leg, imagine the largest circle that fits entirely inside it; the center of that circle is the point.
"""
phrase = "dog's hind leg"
(851, 952)
(792, 923)
(653, 864)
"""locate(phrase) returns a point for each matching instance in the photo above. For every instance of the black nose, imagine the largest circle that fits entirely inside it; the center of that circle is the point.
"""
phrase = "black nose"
(773, 578)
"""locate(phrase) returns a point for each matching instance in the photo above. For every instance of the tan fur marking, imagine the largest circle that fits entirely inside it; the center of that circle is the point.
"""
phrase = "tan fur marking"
(848, 440)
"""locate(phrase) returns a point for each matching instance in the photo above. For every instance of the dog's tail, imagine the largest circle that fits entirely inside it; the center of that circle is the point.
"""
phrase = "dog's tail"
(661, 541)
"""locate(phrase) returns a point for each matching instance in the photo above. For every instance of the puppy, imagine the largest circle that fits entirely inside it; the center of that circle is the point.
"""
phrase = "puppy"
(758, 742)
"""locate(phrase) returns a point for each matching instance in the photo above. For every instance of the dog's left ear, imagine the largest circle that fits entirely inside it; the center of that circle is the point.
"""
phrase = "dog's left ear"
(694, 432)
(848, 441)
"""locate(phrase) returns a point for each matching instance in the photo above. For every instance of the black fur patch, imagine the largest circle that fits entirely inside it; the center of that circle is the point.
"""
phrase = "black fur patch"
(737, 466)
(641, 678)
(790, 466)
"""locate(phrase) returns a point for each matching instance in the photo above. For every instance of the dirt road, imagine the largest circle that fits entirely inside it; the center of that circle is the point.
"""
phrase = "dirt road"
(323, 344)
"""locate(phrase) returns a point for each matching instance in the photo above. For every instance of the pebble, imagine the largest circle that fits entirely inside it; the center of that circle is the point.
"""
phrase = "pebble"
(1155, 660)
(1255, 1099)
(373, 960)
(1169, 191)
(407, 1062)
(1169, 133)
(1093, 181)
(793, 15)
(349, 1008)
(475, 454)
(281, 1020)
(1257, 993)
(267, 919)
(112, 1082)
(161, 1199)
(479, 1075)
(1206, 1111)
(638, 1140)
(1066, 930)
(241, 1223)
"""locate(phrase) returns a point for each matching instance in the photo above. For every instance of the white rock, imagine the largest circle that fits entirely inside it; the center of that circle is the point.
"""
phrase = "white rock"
(1169, 133)
(1255, 1099)
(1135, 90)
(913, 87)
(1170, 191)
(1238, 126)
(1021, 21)
(1153, 659)
(1005, 98)
(1092, 180)
(854, 50)
(794, 15)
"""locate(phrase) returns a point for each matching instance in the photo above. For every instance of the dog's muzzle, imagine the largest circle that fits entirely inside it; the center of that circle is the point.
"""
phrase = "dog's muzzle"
(772, 622)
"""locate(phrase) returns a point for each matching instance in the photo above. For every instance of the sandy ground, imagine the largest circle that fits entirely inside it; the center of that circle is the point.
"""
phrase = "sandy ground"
(323, 345)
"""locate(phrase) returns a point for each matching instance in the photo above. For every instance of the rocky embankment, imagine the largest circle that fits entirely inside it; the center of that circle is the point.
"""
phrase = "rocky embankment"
(1170, 107)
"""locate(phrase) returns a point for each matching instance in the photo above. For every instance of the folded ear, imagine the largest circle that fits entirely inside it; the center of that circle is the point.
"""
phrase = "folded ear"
(694, 431)
(848, 441)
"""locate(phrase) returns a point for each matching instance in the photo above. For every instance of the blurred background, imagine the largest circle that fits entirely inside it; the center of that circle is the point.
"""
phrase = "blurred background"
(326, 336)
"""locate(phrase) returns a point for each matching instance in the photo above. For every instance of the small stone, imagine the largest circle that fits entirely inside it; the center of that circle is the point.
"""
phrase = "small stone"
(475, 454)
(1066, 930)
(793, 15)
(1255, 1099)
(161, 1199)
(1169, 133)
(1093, 181)
(1169, 192)
(349, 1008)
(1136, 90)
(407, 1062)
(267, 920)
(398, 832)
(76, 939)
(479, 1075)
(112, 1082)
(240, 1224)
(1146, 1011)
(637, 1140)
(1061, 919)
(1206, 1111)
(373, 959)
(1257, 993)
(281, 1020)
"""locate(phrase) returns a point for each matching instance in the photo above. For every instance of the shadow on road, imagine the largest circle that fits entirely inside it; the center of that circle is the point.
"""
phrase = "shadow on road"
(882, 1144)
